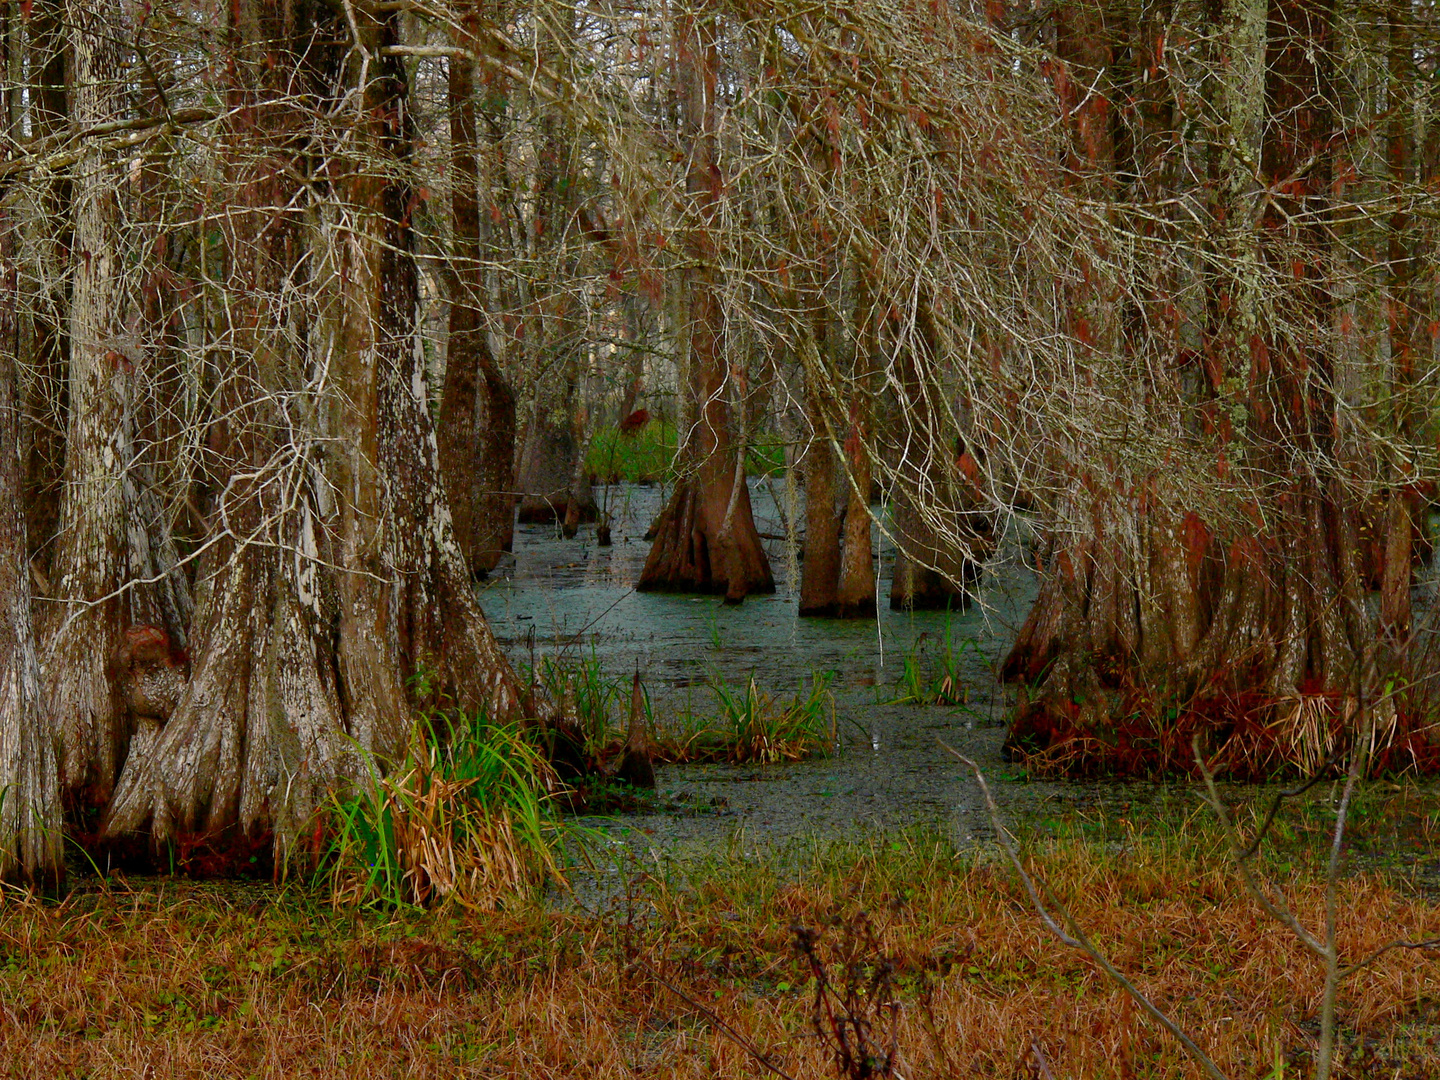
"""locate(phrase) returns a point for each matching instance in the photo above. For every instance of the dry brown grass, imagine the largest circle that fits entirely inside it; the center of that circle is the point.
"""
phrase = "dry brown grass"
(175, 980)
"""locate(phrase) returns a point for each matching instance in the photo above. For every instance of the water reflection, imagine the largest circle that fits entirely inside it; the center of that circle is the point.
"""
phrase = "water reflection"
(578, 597)
(556, 595)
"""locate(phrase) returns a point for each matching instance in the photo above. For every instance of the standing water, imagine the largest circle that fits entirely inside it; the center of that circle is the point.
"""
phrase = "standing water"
(575, 599)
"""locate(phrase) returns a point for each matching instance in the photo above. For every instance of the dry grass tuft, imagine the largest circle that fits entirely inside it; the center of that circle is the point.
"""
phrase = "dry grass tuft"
(465, 818)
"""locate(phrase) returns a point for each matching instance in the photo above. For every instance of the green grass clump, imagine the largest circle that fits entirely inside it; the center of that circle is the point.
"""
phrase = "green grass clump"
(598, 701)
(752, 725)
(647, 456)
(464, 817)
(934, 679)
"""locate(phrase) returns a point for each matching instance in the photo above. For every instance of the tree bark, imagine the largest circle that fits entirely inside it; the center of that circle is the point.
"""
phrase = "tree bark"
(1292, 601)
(45, 398)
(1122, 602)
(83, 626)
(855, 596)
(552, 476)
(820, 570)
(1405, 302)
(476, 428)
(257, 737)
(930, 573)
(329, 598)
(705, 538)
(406, 597)
(1252, 630)
(580, 502)
(941, 538)
(30, 826)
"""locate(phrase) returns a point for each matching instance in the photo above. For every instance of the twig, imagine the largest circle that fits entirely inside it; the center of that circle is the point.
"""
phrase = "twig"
(1076, 938)
(1332, 874)
(739, 1040)
(1292, 793)
(1346, 972)
(1277, 910)
(1040, 1059)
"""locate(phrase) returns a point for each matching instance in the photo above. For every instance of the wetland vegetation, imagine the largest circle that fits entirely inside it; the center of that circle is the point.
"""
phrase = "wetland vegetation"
(588, 515)
(693, 969)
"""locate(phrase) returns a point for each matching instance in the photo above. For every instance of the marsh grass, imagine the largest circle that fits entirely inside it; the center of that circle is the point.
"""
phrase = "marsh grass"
(464, 817)
(751, 725)
(579, 687)
(931, 675)
(762, 729)
(748, 724)
(176, 979)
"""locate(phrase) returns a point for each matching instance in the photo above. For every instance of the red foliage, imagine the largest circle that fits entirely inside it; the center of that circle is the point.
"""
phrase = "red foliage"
(1242, 733)
(968, 467)
(1196, 540)
(634, 422)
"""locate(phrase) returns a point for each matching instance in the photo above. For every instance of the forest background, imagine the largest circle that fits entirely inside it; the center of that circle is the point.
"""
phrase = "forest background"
(300, 299)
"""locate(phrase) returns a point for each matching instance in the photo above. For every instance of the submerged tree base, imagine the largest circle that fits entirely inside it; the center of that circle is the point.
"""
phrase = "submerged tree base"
(701, 544)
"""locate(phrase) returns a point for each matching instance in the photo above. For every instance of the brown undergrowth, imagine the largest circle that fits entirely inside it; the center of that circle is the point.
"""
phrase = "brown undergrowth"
(166, 979)
(1247, 736)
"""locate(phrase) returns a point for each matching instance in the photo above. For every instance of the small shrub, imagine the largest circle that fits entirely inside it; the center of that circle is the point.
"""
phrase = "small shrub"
(645, 456)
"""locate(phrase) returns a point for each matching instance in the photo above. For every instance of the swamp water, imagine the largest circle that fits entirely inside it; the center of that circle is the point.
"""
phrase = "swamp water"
(572, 598)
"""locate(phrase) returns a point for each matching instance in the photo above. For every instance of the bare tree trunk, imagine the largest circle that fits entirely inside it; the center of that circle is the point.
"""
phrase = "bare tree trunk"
(931, 573)
(1121, 601)
(30, 826)
(635, 367)
(855, 597)
(580, 504)
(938, 549)
(820, 570)
(476, 428)
(30, 838)
(257, 737)
(1405, 303)
(114, 561)
(1150, 626)
(1294, 603)
(48, 358)
(551, 475)
(323, 599)
(705, 538)
(83, 626)
(407, 595)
